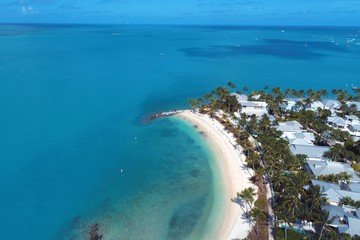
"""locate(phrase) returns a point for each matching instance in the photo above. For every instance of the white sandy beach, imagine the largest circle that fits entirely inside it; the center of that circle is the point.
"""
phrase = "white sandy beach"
(234, 174)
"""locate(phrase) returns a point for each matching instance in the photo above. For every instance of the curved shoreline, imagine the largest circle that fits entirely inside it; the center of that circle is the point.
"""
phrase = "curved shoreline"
(234, 175)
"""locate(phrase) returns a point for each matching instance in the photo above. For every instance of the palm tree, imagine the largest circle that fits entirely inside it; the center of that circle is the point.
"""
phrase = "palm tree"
(344, 176)
(231, 85)
(336, 153)
(245, 89)
(248, 195)
(346, 201)
(257, 215)
(324, 223)
(316, 197)
(193, 103)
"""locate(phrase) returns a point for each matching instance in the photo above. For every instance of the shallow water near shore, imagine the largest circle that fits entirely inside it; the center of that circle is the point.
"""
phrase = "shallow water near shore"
(74, 147)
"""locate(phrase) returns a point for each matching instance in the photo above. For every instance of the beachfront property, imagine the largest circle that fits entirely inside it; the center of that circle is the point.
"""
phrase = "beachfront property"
(349, 123)
(336, 122)
(317, 168)
(312, 152)
(290, 105)
(351, 119)
(314, 106)
(334, 192)
(301, 138)
(352, 103)
(332, 105)
(344, 220)
(249, 107)
(289, 127)
(294, 133)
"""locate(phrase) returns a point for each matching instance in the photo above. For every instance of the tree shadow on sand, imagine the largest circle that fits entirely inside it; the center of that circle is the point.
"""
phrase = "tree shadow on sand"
(240, 202)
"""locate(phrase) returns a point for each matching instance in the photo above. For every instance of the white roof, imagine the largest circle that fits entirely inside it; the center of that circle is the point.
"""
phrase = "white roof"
(253, 104)
(301, 138)
(240, 97)
(331, 103)
(355, 127)
(357, 104)
(337, 120)
(352, 117)
(326, 168)
(309, 151)
(317, 104)
(290, 126)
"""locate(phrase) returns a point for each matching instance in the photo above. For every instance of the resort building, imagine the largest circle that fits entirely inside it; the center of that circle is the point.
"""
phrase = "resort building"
(312, 152)
(290, 126)
(336, 122)
(357, 104)
(351, 119)
(258, 108)
(334, 193)
(318, 168)
(315, 105)
(301, 138)
(345, 221)
(354, 130)
(332, 105)
(289, 105)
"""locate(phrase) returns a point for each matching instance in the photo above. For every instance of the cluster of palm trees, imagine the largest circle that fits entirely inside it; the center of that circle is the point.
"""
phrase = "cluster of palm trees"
(350, 202)
(335, 178)
(254, 214)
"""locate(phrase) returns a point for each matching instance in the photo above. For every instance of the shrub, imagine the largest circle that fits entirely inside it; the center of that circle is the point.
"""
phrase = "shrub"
(260, 203)
(291, 234)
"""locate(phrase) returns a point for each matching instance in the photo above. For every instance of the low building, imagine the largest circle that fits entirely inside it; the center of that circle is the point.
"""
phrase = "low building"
(332, 105)
(318, 168)
(354, 130)
(357, 104)
(334, 193)
(290, 126)
(258, 108)
(312, 152)
(336, 122)
(351, 119)
(343, 221)
(290, 105)
(301, 138)
(315, 106)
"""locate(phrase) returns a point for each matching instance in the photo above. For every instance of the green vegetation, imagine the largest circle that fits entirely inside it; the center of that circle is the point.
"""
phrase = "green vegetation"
(350, 202)
(335, 178)
(248, 195)
(291, 234)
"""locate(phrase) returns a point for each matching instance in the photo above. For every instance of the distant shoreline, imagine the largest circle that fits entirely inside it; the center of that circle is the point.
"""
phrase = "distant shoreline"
(233, 173)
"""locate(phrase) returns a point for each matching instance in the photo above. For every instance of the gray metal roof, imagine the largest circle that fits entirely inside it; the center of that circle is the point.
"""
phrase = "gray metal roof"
(326, 167)
(324, 186)
(353, 223)
(290, 126)
(337, 120)
(355, 127)
(354, 195)
(357, 104)
(355, 187)
(337, 212)
(310, 151)
(240, 97)
(331, 103)
(352, 117)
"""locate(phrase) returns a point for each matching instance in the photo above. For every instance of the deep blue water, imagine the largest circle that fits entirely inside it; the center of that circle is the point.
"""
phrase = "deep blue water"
(73, 145)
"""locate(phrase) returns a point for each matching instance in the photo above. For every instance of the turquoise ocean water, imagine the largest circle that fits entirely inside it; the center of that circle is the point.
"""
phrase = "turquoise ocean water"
(74, 149)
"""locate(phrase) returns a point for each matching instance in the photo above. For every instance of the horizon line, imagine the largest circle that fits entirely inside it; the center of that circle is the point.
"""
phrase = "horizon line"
(182, 24)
